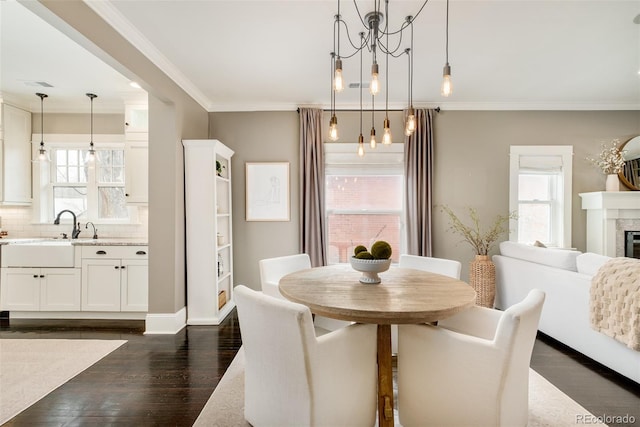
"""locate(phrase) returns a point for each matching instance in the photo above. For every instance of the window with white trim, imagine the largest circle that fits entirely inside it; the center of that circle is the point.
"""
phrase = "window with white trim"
(540, 192)
(90, 191)
(94, 192)
(364, 199)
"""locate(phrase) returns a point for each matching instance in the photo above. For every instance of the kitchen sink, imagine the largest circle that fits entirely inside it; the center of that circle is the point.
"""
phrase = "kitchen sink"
(38, 253)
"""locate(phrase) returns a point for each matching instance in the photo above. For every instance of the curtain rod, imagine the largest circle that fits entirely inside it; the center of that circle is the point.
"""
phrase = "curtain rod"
(437, 110)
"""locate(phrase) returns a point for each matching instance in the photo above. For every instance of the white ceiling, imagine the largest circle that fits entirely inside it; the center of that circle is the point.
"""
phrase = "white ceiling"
(233, 55)
(32, 51)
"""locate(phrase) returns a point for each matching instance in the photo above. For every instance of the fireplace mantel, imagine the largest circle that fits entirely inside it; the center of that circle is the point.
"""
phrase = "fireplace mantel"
(605, 210)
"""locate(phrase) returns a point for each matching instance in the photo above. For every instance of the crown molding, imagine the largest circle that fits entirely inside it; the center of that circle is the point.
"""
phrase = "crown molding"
(452, 106)
(112, 16)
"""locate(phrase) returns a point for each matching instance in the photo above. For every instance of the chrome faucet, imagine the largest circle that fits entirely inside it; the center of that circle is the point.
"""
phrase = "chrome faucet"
(76, 226)
(95, 230)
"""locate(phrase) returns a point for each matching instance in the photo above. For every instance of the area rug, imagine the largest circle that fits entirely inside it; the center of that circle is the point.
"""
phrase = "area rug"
(30, 369)
(548, 406)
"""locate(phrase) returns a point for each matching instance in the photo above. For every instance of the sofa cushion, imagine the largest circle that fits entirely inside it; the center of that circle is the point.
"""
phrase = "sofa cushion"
(558, 258)
(589, 263)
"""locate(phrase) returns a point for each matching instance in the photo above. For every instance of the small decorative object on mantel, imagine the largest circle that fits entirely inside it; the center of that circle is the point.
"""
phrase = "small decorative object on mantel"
(611, 162)
(482, 271)
(370, 263)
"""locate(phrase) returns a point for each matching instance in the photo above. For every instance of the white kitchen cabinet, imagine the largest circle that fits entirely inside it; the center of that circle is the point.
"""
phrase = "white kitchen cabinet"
(136, 117)
(134, 289)
(40, 289)
(136, 155)
(209, 232)
(15, 156)
(115, 278)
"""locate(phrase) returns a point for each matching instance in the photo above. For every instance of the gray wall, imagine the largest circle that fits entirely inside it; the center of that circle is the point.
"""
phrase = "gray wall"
(259, 137)
(472, 162)
(79, 123)
(471, 167)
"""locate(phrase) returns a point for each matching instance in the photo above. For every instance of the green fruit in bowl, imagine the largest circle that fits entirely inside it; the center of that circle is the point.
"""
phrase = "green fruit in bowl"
(359, 249)
(381, 250)
(364, 255)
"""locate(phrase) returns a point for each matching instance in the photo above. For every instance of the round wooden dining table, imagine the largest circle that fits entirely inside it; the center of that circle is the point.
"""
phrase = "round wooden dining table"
(404, 296)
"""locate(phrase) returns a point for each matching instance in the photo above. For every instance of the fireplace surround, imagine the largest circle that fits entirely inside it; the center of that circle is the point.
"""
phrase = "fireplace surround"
(609, 215)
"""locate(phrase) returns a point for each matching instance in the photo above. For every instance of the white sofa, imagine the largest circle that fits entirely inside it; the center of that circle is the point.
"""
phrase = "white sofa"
(565, 276)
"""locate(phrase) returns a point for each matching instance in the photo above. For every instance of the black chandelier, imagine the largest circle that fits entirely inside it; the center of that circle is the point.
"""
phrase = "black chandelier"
(376, 39)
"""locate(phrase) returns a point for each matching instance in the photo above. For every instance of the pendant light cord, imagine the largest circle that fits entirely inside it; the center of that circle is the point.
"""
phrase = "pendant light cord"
(386, 89)
(447, 35)
(362, 37)
(42, 96)
(41, 121)
(411, 70)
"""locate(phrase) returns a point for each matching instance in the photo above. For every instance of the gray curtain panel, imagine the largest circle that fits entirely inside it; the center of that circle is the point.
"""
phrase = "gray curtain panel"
(418, 163)
(312, 221)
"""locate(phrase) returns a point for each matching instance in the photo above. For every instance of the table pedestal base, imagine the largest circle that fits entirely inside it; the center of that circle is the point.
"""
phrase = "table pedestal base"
(385, 377)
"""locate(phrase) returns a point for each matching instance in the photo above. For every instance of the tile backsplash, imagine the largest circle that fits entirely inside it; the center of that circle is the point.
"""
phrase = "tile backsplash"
(17, 222)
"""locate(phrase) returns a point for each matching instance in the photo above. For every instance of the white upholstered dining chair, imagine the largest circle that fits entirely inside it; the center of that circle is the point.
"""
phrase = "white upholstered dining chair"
(446, 267)
(470, 370)
(273, 269)
(293, 378)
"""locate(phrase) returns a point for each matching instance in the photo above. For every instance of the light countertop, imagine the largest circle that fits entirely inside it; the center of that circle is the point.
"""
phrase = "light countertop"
(109, 241)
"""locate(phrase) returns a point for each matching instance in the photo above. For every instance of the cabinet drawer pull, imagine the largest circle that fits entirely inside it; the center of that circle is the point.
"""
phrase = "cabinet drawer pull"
(35, 276)
(116, 267)
(123, 267)
(41, 276)
(141, 253)
(101, 252)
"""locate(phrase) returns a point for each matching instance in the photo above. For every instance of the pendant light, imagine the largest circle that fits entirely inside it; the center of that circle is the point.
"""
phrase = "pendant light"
(386, 136)
(333, 122)
(338, 82)
(91, 155)
(410, 125)
(42, 153)
(447, 88)
(361, 138)
(372, 141)
(380, 38)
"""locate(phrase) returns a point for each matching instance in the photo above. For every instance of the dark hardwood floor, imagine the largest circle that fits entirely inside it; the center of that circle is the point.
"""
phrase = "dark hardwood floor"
(165, 380)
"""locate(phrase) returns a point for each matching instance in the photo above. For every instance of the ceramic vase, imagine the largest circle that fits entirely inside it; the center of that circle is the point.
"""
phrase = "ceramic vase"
(482, 278)
(613, 182)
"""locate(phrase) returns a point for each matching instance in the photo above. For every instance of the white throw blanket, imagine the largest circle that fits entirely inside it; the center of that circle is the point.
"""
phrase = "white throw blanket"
(615, 301)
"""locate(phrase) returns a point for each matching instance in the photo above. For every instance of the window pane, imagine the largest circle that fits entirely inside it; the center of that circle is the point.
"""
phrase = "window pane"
(111, 203)
(533, 187)
(534, 223)
(111, 168)
(118, 174)
(346, 192)
(72, 198)
(348, 231)
(73, 158)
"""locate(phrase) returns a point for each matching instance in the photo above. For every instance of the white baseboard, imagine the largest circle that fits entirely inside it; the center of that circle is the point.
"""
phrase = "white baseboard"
(91, 315)
(166, 323)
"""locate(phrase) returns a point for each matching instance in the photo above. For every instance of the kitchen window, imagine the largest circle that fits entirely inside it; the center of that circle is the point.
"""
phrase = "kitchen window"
(94, 192)
(364, 199)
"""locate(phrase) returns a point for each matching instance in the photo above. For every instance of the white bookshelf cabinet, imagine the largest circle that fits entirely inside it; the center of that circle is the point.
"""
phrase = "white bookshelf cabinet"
(209, 231)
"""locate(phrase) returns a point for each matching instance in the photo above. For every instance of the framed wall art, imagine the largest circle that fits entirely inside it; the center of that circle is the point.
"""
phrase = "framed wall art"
(267, 192)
